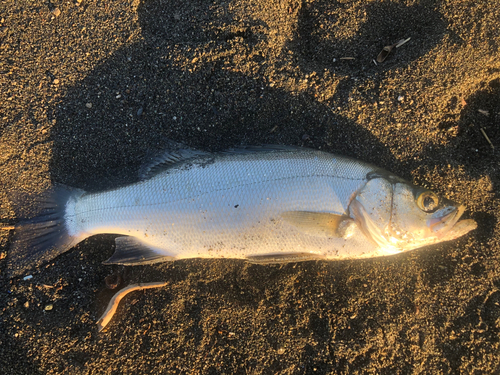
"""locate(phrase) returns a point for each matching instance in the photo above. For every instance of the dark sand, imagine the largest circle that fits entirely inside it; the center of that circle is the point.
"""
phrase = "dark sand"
(87, 95)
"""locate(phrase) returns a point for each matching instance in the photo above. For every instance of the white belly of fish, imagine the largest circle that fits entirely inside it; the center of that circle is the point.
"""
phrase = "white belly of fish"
(231, 207)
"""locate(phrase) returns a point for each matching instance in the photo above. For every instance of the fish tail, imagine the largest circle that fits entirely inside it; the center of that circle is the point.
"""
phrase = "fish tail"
(47, 232)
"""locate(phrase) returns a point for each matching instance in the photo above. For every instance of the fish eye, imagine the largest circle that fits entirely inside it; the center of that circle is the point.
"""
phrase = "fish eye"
(428, 201)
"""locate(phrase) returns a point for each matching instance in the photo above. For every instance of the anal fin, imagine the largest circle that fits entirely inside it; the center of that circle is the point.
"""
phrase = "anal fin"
(284, 258)
(131, 251)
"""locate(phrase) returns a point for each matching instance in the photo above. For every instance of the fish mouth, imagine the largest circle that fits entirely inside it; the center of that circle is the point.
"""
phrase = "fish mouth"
(445, 224)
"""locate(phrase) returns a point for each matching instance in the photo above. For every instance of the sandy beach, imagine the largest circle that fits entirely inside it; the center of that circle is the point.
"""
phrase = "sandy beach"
(91, 89)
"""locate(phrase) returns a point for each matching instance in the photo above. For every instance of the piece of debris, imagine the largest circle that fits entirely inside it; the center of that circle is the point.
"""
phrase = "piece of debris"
(463, 102)
(484, 112)
(347, 58)
(487, 138)
(387, 50)
(401, 42)
(49, 307)
(55, 11)
(384, 53)
(113, 303)
(27, 277)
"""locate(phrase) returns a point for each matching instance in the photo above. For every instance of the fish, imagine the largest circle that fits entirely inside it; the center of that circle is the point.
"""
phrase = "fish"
(267, 204)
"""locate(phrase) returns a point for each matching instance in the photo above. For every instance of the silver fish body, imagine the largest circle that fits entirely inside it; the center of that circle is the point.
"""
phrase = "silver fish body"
(272, 205)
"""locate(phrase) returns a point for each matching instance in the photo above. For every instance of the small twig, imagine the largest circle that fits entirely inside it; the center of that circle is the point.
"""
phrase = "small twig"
(401, 42)
(113, 303)
(347, 58)
(487, 138)
(8, 228)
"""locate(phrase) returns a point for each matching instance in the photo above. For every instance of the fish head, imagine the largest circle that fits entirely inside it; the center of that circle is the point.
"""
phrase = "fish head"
(399, 216)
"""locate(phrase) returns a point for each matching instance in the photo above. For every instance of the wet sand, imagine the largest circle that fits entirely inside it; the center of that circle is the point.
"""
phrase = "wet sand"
(89, 92)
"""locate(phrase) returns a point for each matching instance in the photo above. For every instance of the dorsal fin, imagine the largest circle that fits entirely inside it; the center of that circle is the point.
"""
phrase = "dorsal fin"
(179, 153)
(167, 160)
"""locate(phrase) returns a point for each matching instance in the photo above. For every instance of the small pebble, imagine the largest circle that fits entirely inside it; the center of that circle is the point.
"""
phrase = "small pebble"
(49, 307)
(88, 105)
(56, 12)
(56, 81)
(139, 111)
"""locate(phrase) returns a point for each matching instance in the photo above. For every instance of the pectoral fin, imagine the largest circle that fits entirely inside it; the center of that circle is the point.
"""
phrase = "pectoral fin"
(131, 251)
(319, 223)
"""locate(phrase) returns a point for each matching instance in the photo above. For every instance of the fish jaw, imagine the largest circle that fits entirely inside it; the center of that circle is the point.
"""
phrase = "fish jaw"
(445, 224)
(461, 228)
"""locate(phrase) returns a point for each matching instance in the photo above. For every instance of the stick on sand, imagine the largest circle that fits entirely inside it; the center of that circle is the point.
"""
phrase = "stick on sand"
(113, 303)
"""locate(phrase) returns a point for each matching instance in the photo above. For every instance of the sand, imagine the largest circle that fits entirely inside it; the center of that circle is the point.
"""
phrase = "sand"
(90, 89)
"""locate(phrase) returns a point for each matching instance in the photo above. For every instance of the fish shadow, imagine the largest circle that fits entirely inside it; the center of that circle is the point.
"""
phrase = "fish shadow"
(128, 106)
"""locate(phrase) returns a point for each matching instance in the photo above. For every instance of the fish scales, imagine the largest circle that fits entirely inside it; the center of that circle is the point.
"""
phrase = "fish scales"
(230, 207)
(267, 205)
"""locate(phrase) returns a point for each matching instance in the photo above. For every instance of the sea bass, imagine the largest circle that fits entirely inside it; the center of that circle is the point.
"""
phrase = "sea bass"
(266, 204)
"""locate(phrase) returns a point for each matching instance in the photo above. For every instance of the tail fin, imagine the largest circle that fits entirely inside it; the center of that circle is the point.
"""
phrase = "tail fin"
(44, 236)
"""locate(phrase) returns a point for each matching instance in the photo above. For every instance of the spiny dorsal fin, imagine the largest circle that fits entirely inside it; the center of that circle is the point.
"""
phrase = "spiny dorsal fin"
(131, 251)
(167, 160)
(178, 153)
(318, 223)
